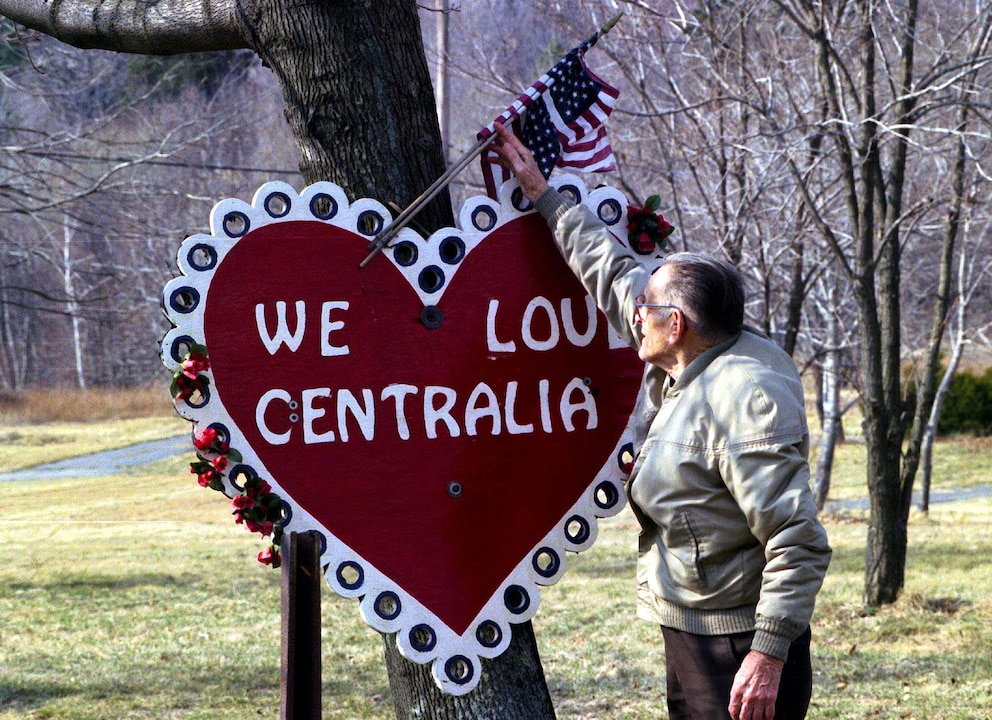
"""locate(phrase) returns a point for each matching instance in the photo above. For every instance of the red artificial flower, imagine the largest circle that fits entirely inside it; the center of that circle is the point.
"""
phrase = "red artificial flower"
(205, 478)
(270, 556)
(184, 386)
(262, 528)
(243, 502)
(645, 243)
(205, 440)
(194, 364)
(264, 489)
(219, 463)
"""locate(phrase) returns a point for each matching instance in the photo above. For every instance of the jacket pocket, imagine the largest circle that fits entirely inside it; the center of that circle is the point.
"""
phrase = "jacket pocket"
(684, 545)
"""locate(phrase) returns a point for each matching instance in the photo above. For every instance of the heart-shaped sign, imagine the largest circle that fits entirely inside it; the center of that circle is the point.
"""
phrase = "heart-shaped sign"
(451, 419)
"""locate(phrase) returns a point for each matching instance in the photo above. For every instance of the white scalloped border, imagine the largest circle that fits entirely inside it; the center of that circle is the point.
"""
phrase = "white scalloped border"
(386, 607)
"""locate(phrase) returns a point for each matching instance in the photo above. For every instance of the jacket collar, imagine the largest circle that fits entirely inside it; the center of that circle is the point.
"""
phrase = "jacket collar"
(702, 361)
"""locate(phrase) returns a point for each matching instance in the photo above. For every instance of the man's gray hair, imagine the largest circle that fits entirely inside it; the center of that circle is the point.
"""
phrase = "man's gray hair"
(709, 290)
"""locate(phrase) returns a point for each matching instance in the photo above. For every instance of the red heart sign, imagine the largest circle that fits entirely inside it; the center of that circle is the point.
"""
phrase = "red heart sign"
(442, 416)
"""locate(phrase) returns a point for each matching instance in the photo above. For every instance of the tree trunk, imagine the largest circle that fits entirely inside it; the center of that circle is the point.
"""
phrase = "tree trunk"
(831, 412)
(512, 686)
(930, 436)
(358, 95)
(360, 104)
(71, 303)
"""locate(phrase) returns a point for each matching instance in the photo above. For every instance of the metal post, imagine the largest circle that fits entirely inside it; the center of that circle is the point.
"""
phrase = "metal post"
(301, 579)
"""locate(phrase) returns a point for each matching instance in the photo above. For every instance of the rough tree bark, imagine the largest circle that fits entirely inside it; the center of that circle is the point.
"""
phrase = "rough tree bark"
(361, 108)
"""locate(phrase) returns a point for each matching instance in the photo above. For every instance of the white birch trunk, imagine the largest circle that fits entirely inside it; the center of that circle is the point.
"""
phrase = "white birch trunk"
(72, 303)
(831, 412)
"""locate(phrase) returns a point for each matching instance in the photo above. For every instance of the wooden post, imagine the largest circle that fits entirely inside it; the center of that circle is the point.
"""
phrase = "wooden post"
(301, 580)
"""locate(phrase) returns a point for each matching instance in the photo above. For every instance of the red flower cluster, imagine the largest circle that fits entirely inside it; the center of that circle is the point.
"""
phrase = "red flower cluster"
(260, 510)
(257, 508)
(189, 378)
(647, 229)
(212, 456)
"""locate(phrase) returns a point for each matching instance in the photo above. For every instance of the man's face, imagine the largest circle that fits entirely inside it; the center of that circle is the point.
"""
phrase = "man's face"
(659, 341)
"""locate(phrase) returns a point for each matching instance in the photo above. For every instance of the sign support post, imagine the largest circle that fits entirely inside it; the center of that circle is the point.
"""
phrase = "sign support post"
(301, 578)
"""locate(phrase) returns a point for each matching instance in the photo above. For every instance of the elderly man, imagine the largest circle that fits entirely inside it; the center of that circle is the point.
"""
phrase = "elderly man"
(731, 552)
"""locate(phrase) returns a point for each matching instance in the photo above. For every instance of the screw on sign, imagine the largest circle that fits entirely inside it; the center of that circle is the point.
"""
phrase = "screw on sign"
(451, 419)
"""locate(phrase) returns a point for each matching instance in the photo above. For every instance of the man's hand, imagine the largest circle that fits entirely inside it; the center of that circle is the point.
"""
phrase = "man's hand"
(518, 159)
(756, 687)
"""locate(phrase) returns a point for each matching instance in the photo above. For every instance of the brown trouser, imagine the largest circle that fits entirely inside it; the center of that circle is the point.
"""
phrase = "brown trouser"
(701, 672)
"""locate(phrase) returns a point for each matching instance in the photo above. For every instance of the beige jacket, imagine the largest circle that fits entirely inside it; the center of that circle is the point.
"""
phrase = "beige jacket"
(730, 541)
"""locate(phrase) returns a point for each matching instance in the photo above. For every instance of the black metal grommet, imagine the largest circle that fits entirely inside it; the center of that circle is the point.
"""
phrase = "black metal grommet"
(626, 455)
(405, 253)
(610, 211)
(286, 514)
(571, 192)
(422, 638)
(455, 489)
(489, 634)
(204, 394)
(184, 300)
(577, 530)
(235, 473)
(323, 206)
(202, 257)
(388, 605)
(459, 669)
(432, 317)
(546, 562)
(431, 279)
(516, 599)
(223, 434)
(350, 575)
(370, 223)
(520, 202)
(487, 216)
(606, 495)
(180, 347)
(236, 224)
(452, 250)
(277, 204)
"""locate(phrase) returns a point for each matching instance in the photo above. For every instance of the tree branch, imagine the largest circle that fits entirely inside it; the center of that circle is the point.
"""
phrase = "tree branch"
(166, 27)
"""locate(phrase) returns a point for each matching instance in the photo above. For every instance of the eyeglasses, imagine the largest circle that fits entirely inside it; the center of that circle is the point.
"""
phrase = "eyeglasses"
(640, 304)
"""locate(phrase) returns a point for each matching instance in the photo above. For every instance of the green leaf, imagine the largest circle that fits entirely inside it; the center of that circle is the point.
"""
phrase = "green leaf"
(653, 203)
(234, 456)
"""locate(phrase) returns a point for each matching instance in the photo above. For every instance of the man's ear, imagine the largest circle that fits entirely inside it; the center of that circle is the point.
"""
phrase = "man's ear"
(677, 327)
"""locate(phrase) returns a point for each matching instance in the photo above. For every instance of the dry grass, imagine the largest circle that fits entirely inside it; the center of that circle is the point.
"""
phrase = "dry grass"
(49, 405)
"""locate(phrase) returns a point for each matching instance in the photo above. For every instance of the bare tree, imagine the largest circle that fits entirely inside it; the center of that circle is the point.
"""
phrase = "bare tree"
(791, 131)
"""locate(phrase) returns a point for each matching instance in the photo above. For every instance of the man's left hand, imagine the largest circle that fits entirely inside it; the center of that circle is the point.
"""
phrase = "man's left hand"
(756, 687)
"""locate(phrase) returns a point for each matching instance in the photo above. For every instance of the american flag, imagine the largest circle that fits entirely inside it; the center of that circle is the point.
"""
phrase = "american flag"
(561, 120)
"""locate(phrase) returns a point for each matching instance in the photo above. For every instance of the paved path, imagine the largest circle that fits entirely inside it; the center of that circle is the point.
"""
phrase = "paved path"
(114, 462)
(108, 462)
(960, 494)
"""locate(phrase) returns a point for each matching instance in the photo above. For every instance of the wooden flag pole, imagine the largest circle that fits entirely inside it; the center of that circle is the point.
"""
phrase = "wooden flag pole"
(387, 234)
